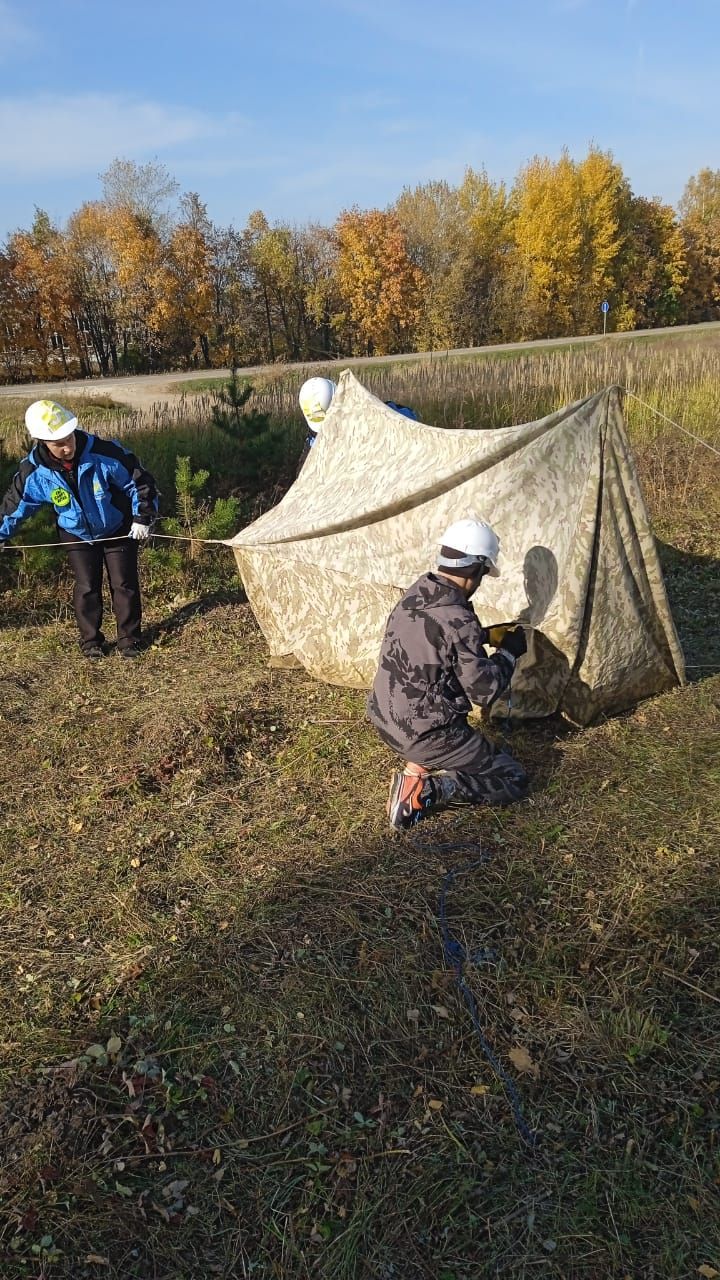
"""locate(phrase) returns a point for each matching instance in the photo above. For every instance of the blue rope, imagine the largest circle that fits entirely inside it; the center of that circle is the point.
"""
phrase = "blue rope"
(456, 956)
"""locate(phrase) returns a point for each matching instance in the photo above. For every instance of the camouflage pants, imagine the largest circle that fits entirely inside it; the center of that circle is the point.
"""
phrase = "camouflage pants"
(471, 770)
(499, 781)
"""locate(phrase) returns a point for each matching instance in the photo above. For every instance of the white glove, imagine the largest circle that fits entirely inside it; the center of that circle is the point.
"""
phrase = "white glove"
(140, 532)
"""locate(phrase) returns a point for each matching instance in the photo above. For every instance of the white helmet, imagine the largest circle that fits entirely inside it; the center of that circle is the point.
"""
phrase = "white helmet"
(315, 397)
(46, 420)
(467, 544)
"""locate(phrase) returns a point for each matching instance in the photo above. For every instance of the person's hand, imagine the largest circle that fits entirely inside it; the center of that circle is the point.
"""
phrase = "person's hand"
(139, 532)
(514, 643)
(497, 634)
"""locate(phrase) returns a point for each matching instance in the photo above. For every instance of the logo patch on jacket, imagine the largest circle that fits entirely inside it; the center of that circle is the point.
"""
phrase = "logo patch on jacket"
(60, 497)
(98, 488)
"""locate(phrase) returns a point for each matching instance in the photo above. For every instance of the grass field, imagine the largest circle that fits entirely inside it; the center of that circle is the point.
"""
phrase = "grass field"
(231, 1043)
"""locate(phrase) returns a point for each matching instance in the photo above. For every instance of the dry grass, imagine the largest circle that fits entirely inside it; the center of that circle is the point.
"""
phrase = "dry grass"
(198, 864)
(198, 886)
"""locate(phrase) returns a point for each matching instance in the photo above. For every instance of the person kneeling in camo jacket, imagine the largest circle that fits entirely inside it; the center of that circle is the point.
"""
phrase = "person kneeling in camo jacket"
(98, 490)
(433, 667)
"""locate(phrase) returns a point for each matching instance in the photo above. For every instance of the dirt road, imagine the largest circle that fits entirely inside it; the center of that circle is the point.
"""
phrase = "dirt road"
(143, 390)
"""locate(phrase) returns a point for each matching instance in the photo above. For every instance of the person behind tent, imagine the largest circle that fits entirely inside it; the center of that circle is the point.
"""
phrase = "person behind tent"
(315, 398)
(433, 666)
(98, 490)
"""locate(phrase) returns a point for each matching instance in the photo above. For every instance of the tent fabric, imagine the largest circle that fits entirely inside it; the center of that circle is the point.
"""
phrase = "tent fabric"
(579, 568)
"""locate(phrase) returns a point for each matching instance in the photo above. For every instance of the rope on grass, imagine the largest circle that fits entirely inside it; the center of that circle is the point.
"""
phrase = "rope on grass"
(672, 422)
(457, 956)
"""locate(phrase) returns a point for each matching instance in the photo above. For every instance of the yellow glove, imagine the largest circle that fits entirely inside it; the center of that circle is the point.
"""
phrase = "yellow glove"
(497, 634)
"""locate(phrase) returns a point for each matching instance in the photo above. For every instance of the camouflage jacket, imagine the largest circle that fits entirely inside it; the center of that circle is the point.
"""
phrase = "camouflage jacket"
(433, 666)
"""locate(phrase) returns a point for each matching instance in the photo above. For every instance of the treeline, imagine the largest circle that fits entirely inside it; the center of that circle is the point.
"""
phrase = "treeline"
(142, 279)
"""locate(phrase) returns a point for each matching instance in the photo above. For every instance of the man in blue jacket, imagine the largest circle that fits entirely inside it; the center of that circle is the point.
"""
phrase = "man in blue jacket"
(104, 503)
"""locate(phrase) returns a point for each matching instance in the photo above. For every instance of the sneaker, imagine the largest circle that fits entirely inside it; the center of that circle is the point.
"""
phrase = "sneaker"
(410, 798)
(130, 651)
(93, 651)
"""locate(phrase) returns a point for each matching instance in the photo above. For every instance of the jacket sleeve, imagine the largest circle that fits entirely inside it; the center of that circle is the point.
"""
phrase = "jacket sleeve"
(24, 498)
(482, 678)
(139, 485)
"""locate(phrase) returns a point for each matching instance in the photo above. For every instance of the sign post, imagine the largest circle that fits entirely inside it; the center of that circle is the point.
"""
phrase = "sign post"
(604, 307)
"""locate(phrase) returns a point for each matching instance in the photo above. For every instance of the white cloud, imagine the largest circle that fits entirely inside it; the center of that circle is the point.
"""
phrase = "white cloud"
(51, 135)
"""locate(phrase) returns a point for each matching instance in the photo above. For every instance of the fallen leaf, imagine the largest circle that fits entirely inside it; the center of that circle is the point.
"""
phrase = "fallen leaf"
(440, 1010)
(435, 1104)
(217, 1156)
(522, 1061)
(96, 1260)
(114, 1045)
(412, 1015)
(708, 1272)
(479, 1090)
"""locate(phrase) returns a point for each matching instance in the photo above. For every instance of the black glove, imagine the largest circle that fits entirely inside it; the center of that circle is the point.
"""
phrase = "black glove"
(514, 643)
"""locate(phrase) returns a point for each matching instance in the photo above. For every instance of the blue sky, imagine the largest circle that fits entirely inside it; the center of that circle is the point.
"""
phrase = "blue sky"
(304, 107)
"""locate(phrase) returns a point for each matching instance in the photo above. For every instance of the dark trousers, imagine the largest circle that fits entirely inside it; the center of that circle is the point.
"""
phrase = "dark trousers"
(494, 777)
(121, 564)
(467, 769)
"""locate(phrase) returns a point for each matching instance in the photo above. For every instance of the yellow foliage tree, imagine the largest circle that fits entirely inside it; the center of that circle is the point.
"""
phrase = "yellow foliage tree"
(182, 285)
(700, 226)
(431, 221)
(380, 287)
(46, 304)
(652, 273)
(138, 256)
(93, 276)
(568, 234)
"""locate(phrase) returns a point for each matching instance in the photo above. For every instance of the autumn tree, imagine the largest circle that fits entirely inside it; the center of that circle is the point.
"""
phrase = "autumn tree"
(47, 304)
(182, 287)
(149, 190)
(432, 225)
(13, 354)
(317, 251)
(380, 287)
(568, 236)
(278, 264)
(93, 276)
(700, 213)
(652, 271)
(488, 230)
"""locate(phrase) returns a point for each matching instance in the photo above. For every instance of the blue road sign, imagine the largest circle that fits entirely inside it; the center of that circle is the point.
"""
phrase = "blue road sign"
(604, 307)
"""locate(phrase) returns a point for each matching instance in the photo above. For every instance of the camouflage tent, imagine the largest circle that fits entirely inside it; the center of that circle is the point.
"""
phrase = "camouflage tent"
(579, 568)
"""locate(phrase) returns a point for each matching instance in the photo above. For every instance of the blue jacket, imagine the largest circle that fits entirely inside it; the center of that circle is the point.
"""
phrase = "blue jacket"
(104, 492)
